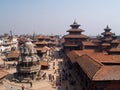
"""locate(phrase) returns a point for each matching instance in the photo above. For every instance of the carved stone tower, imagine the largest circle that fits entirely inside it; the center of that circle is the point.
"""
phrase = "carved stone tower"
(28, 66)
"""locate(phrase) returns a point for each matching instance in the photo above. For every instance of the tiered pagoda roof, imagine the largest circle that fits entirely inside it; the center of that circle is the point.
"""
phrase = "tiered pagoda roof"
(107, 35)
(75, 28)
(75, 31)
(109, 41)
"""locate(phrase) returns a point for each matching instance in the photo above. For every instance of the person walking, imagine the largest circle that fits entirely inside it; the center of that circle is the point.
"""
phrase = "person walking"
(49, 76)
(30, 84)
(66, 88)
(11, 88)
(53, 77)
(23, 88)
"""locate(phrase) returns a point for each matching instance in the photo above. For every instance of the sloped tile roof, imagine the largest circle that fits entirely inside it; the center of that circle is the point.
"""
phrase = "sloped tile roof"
(3, 73)
(13, 54)
(38, 49)
(75, 36)
(40, 37)
(43, 42)
(100, 57)
(108, 73)
(71, 45)
(91, 63)
(42, 48)
(115, 41)
(105, 58)
(107, 33)
(105, 44)
(75, 30)
(89, 43)
(44, 63)
(114, 50)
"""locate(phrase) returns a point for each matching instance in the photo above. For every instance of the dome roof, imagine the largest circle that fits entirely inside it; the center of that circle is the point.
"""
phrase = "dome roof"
(28, 48)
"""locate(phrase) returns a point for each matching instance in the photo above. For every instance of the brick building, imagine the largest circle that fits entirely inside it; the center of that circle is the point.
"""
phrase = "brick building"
(95, 71)
(94, 62)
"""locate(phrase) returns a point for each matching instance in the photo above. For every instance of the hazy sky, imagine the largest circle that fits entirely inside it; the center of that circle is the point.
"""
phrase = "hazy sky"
(55, 16)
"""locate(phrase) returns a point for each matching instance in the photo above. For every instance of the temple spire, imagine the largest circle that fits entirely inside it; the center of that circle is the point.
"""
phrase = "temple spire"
(75, 25)
(11, 35)
(75, 22)
(33, 36)
(107, 29)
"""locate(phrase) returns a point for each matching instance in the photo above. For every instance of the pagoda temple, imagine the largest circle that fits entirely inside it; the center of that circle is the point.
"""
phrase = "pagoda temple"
(97, 65)
(108, 40)
(28, 66)
(73, 40)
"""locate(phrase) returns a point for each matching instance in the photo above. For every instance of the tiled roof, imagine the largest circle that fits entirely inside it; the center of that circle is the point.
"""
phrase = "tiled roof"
(91, 63)
(76, 53)
(105, 44)
(106, 39)
(40, 37)
(107, 33)
(75, 36)
(52, 39)
(75, 30)
(43, 42)
(82, 52)
(46, 48)
(96, 40)
(105, 58)
(70, 44)
(3, 74)
(89, 43)
(73, 56)
(47, 37)
(53, 43)
(115, 41)
(38, 49)
(100, 57)
(13, 54)
(44, 63)
(108, 73)
(114, 50)
(43, 48)
(118, 45)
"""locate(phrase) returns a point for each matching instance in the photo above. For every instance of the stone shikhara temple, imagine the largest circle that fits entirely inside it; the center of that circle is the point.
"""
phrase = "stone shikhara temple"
(28, 67)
